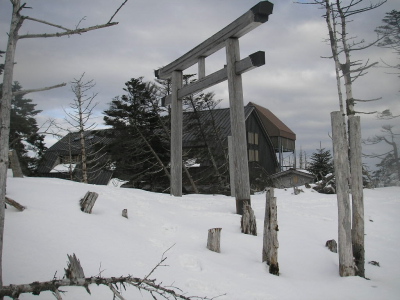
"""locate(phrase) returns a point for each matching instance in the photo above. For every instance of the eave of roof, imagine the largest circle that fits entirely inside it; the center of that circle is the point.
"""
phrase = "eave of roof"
(273, 125)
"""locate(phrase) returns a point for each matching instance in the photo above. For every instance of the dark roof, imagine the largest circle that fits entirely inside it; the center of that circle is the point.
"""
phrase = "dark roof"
(220, 117)
(274, 126)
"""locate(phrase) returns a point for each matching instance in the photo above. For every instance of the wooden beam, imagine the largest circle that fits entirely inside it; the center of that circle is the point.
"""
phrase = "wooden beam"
(238, 126)
(255, 60)
(256, 16)
(176, 136)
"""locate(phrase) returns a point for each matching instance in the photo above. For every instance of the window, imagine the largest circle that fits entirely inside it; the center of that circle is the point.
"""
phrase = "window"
(253, 155)
(252, 138)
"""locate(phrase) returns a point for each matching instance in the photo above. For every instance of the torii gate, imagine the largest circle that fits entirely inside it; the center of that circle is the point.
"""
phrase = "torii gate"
(228, 37)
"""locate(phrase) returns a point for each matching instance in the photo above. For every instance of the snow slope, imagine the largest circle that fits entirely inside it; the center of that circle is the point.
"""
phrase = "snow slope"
(37, 241)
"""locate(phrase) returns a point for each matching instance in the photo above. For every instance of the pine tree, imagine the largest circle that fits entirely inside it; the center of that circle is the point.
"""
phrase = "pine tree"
(24, 136)
(141, 149)
(320, 163)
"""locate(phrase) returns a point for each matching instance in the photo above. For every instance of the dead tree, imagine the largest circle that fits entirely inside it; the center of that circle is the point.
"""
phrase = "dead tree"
(248, 220)
(82, 108)
(75, 277)
(340, 152)
(17, 20)
(337, 15)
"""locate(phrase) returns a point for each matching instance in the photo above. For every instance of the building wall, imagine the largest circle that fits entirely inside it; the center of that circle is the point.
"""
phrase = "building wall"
(266, 154)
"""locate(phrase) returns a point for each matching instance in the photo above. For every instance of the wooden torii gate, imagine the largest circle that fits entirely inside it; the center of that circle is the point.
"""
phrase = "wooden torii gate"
(228, 37)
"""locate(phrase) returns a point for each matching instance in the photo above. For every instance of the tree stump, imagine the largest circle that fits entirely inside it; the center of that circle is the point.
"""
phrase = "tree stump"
(88, 202)
(248, 221)
(214, 239)
(274, 244)
(270, 239)
(125, 213)
(332, 245)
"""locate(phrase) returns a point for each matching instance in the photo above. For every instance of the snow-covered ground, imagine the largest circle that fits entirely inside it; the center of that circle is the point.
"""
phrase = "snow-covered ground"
(37, 241)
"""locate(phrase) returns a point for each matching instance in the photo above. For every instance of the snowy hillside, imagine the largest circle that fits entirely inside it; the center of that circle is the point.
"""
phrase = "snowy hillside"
(38, 240)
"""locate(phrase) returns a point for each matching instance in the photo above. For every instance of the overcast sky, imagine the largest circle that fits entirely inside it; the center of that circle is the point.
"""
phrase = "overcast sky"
(296, 84)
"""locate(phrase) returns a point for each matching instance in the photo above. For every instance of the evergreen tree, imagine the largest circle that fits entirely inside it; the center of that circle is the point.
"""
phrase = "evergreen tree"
(24, 136)
(140, 150)
(320, 163)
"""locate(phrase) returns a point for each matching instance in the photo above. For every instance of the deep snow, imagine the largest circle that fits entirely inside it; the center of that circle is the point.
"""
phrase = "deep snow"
(37, 241)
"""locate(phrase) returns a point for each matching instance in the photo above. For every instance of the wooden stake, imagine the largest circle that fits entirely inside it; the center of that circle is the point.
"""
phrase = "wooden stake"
(214, 240)
(88, 202)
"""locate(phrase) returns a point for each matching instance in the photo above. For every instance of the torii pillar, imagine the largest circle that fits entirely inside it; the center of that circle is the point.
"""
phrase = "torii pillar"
(228, 37)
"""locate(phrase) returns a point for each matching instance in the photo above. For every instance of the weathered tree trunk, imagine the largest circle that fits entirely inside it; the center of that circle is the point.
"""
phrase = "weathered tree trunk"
(15, 165)
(274, 244)
(214, 239)
(357, 194)
(341, 161)
(5, 110)
(88, 202)
(248, 221)
(267, 234)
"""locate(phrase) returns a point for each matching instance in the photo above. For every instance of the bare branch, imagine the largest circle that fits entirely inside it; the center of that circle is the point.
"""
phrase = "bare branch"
(24, 92)
(69, 32)
(45, 22)
(117, 11)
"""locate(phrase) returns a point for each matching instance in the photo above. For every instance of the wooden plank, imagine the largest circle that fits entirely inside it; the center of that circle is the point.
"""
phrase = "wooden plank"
(238, 126)
(176, 136)
(254, 60)
(256, 16)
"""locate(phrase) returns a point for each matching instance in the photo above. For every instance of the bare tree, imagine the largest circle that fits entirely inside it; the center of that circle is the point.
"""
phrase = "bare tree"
(337, 16)
(17, 20)
(82, 111)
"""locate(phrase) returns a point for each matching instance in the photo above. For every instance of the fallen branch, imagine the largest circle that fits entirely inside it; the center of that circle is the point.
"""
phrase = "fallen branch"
(14, 203)
(149, 285)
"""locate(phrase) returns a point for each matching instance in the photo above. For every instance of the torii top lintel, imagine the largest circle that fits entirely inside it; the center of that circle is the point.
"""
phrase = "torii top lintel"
(256, 16)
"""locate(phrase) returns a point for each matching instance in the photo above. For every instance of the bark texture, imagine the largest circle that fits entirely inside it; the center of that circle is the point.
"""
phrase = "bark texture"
(214, 239)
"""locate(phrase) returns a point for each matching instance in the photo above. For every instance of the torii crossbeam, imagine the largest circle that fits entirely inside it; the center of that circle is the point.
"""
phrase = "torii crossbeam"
(228, 37)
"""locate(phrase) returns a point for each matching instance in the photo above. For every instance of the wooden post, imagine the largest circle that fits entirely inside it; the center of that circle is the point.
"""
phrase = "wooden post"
(201, 67)
(341, 161)
(267, 237)
(270, 238)
(214, 239)
(238, 126)
(88, 202)
(176, 135)
(125, 213)
(274, 244)
(248, 221)
(357, 194)
(231, 166)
